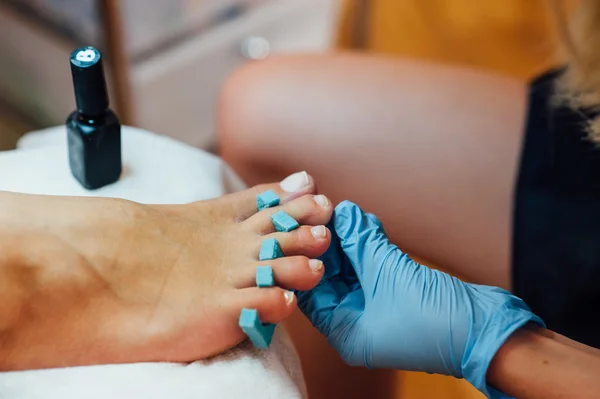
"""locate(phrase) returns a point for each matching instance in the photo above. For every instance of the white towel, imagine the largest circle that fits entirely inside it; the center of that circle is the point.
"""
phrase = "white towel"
(158, 170)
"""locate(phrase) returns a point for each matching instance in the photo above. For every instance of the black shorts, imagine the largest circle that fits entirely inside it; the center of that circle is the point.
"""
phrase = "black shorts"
(556, 236)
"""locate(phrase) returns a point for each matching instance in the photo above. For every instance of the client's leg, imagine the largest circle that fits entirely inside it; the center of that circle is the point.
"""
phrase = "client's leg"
(432, 150)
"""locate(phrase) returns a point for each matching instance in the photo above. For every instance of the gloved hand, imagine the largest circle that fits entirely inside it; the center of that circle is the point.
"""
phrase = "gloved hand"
(378, 308)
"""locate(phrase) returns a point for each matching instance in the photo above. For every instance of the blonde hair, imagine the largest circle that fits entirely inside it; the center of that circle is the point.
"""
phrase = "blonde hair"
(579, 86)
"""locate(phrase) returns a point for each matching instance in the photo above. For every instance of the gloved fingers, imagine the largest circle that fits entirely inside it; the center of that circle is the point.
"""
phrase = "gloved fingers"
(348, 312)
(345, 329)
(336, 312)
(338, 280)
(363, 241)
(332, 258)
(319, 303)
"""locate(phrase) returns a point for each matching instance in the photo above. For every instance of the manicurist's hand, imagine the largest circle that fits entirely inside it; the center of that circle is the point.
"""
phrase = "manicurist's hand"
(378, 308)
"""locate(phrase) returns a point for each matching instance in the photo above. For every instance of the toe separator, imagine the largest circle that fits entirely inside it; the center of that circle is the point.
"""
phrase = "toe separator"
(284, 222)
(270, 249)
(268, 199)
(260, 334)
(265, 277)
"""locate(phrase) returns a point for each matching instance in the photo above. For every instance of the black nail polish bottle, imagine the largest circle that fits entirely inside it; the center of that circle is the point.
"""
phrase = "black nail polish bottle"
(93, 131)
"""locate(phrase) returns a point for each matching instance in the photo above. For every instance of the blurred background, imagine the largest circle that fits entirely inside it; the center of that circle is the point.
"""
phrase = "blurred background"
(167, 59)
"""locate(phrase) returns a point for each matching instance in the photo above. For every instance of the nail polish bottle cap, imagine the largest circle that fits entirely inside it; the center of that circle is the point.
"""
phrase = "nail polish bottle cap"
(89, 81)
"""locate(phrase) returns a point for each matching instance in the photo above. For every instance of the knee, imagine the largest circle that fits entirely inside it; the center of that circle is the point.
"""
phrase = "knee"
(248, 103)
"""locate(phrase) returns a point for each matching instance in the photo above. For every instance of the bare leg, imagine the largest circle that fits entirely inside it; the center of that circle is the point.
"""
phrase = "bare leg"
(431, 150)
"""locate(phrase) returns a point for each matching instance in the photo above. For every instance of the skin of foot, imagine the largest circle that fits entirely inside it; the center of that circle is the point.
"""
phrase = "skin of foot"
(88, 281)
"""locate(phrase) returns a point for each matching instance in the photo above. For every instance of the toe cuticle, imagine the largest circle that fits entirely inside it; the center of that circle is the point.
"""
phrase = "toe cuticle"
(289, 297)
(315, 265)
(319, 232)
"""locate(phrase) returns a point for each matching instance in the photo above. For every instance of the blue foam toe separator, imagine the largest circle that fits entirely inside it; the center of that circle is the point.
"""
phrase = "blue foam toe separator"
(260, 334)
(268, 199)
(265, 277)
(270, 249)
(284, 222)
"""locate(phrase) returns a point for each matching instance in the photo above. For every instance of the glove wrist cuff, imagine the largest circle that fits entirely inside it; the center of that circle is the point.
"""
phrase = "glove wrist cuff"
(492, 335)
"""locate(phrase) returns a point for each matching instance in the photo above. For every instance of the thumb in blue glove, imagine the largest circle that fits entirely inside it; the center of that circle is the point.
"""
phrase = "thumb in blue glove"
(380, 309)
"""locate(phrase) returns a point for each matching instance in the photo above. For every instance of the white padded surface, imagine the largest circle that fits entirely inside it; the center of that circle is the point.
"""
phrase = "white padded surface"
(158, 170)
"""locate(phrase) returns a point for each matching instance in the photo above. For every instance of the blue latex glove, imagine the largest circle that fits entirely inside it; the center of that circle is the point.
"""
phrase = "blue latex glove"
(378, 308)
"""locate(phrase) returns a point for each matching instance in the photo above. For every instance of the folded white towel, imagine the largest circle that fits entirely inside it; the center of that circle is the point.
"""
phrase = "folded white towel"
(158, 170)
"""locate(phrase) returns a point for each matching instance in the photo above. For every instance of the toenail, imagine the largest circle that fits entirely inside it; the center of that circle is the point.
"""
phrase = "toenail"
(322, 201)
(296, 182)
(319, 231)
(315, 265)
(289, 296)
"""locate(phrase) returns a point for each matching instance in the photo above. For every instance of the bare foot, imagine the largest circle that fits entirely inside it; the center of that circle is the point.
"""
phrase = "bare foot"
(111, 281)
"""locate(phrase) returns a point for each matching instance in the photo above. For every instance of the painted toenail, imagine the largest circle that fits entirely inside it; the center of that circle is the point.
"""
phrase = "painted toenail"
(319, 231)
(322, 201)
(296, 182)
(315, 265)
(289, 296)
